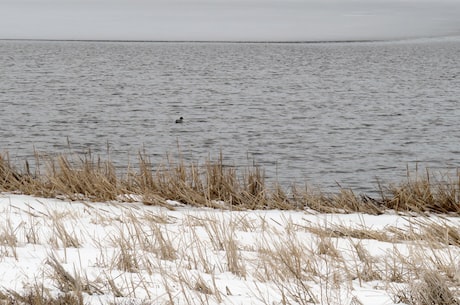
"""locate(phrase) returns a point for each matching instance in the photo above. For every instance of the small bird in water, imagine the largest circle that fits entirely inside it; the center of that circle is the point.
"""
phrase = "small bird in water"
(180, 120)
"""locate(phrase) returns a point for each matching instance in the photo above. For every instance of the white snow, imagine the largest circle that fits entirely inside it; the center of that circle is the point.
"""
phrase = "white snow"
(154, 255)
(223, 20)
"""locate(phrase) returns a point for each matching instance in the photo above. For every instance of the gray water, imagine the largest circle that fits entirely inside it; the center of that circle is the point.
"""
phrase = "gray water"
(320, 114)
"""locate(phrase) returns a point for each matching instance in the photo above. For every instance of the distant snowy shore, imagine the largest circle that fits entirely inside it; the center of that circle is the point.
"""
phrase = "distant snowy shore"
(225, 20)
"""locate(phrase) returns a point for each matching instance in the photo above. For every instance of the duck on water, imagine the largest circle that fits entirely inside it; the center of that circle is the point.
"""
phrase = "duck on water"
(180, 120)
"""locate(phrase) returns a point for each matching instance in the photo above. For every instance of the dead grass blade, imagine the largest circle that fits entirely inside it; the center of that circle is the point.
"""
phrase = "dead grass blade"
(69, 283)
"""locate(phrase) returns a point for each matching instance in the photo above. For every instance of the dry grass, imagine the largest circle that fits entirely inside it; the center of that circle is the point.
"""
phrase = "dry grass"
(70, 283)
(432, 288)
(426, 194)
(8, 240)
(38, 295)
(78, 178)
(215, 184)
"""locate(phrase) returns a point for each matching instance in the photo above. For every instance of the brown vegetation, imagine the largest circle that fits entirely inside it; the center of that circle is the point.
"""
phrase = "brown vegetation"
(213, 184)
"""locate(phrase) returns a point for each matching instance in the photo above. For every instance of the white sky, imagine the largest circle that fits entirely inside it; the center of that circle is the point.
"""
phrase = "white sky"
(257, 20)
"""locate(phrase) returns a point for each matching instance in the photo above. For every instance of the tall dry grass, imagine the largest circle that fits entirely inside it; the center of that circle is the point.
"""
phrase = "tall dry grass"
(215, 184)
(426, 193)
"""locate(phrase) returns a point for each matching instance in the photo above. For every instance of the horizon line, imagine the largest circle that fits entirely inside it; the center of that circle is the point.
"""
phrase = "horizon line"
(201, 41)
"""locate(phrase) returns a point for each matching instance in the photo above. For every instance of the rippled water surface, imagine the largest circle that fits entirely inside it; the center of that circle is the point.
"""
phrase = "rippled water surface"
(322, 114)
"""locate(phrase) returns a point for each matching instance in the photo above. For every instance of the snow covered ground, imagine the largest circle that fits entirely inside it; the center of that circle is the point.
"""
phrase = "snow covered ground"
(129, 253)
(255, 20)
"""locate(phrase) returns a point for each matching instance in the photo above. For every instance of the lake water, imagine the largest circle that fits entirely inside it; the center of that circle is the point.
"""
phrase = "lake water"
(319, 114)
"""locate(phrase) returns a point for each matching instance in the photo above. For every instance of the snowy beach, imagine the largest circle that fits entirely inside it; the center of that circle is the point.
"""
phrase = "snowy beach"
(129, 253)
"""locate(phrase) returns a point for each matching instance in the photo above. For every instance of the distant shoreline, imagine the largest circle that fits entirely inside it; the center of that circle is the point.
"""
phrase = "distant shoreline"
(202, 41)
(334, 41)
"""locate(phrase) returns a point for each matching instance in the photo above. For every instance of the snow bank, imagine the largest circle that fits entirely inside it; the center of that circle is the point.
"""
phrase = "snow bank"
(122, 253)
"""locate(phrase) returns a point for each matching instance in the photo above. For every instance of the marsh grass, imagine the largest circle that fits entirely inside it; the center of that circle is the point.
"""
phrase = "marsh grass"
(425, 193)
(216, 185)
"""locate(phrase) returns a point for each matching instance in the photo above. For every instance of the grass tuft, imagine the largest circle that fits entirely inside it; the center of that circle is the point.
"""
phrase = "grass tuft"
(426, 194)
(38, 295)
(431, 289)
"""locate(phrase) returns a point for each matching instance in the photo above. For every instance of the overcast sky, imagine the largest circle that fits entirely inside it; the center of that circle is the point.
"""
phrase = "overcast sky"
(242, 20)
